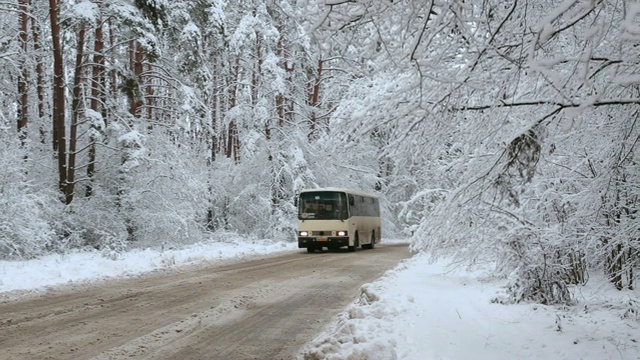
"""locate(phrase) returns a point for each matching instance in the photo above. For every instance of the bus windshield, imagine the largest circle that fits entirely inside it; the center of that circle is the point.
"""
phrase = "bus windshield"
(322, 205)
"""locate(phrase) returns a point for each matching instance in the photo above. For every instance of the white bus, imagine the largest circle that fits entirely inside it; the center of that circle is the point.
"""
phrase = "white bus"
(333, 218)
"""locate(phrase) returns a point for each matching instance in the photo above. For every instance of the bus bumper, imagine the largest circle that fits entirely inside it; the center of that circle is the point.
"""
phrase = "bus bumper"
(320, 242)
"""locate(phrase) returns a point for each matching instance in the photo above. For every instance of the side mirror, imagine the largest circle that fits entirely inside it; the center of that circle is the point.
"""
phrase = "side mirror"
(295, 201)
(352, 201)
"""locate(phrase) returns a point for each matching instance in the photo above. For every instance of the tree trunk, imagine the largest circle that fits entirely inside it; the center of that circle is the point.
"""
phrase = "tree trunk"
(59, 142)
(75, 115)
(23, 78)
(97, 97)
(37, 48)
(288, 115)
(233, 146)
(215, 136)
(280, 96)
(257, 72)
(150, 101)
(113, 73)
(136, 57)
(313, 100)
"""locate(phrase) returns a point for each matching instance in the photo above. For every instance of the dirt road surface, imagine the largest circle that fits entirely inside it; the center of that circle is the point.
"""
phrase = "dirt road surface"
(258, 309)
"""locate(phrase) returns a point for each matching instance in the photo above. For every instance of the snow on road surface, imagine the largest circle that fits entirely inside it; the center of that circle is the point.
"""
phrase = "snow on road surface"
(420, 310)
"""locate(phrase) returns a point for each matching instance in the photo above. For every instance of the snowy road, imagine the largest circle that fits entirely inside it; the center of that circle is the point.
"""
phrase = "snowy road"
(258, 309)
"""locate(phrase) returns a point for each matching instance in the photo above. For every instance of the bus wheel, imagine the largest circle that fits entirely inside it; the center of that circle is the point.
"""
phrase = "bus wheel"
(356, 243)
(373, 242)
(310, 249)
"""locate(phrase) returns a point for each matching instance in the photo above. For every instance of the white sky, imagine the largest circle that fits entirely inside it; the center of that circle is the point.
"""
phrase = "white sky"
(419, 310)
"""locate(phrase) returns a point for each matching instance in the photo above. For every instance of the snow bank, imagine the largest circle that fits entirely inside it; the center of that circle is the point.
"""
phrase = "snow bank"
(423, 310)
(75, 267)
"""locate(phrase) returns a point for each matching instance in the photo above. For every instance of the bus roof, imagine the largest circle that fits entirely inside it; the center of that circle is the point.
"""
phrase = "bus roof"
(335, 189)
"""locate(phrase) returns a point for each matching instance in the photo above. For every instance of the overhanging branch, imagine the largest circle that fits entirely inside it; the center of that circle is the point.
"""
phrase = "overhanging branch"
(503, 104)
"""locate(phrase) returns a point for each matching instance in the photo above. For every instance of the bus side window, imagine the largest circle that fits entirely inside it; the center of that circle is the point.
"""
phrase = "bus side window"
(357, 208)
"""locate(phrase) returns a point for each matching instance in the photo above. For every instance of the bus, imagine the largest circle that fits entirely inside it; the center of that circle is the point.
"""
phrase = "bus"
(333, 218)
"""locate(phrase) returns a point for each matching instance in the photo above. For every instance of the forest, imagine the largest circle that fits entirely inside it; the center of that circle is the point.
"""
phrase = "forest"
(500, 132)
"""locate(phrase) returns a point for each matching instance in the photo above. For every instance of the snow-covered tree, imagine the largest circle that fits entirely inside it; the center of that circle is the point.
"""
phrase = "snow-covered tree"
(489, 112)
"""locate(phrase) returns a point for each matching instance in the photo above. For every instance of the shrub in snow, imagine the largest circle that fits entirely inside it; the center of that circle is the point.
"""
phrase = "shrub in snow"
(26, 207)
(25, 231)
(89, 223)
(163, 192)
(113, 247)
(632, 310)
(536, 285)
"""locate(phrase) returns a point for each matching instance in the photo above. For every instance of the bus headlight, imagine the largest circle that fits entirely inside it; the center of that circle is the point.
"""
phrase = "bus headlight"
(304, 233)
(342, 233)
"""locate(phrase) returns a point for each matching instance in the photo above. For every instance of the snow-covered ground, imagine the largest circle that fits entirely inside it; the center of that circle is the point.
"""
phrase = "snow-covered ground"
(422, 310)
(419, 310)
(53, 270)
